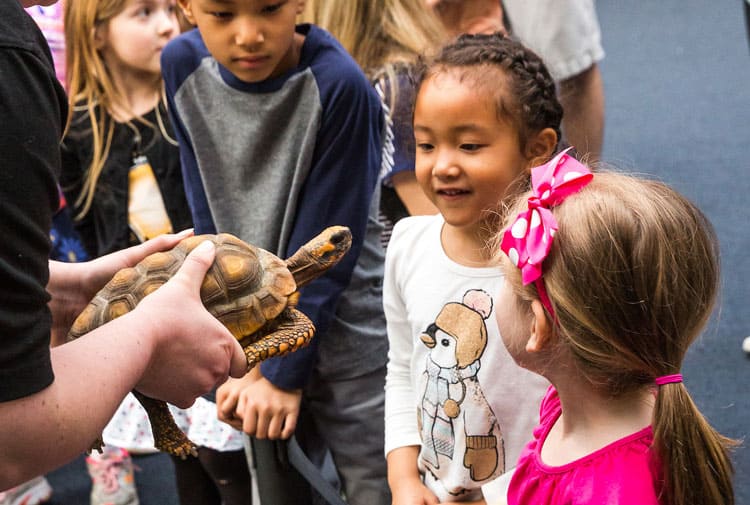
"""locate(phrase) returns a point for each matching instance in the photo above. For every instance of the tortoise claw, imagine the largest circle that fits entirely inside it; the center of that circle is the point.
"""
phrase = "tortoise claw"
(181, 449)
(295, 331)
(97, 445)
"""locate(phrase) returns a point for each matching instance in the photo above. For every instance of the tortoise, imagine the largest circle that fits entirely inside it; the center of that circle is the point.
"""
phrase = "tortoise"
(250, 290)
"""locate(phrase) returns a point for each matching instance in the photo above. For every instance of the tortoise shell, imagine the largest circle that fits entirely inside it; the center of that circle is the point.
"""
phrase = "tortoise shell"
(245, 287)
(251, 291)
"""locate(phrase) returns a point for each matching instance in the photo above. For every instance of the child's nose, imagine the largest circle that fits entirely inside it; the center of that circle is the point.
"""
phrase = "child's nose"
(168, 23)
(445, 165)
(248, 33)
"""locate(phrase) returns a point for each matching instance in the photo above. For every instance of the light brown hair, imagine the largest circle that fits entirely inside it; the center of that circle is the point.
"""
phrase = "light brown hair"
(633, 275)
(90, 85)
(381, 35)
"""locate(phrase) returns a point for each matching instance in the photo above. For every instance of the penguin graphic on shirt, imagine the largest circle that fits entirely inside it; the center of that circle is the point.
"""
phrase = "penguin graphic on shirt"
(455, 415)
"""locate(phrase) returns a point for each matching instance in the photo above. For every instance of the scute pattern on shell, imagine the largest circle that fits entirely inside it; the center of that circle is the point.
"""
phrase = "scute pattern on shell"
(244, 288)
(251, 291)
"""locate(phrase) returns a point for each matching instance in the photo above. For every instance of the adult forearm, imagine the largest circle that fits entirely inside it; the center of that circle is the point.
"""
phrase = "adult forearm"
(92, 376)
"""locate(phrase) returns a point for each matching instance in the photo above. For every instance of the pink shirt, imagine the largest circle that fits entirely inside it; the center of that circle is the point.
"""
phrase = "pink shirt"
(621, 473)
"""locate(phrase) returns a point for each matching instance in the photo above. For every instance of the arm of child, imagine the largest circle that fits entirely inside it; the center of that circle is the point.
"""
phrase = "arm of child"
(402, 439)
(404, 479)
(401, 428)
(338, 191)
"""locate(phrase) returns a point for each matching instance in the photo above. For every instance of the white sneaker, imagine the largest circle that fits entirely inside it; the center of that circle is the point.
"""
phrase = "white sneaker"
(33, 492)
(112, 481)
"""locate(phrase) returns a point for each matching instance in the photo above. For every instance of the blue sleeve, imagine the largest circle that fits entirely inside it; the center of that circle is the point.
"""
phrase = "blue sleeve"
(338, 191)
(179, 59)
(401, 114)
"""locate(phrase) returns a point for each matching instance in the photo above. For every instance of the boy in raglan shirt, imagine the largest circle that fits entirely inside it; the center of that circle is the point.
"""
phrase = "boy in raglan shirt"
(280, 136)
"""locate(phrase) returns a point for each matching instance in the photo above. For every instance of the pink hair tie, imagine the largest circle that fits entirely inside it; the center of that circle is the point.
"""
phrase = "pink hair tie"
(668, 379)
(528, 241)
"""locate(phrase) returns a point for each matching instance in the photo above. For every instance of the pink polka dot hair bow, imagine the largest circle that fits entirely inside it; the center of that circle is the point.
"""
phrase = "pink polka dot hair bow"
(528, 241)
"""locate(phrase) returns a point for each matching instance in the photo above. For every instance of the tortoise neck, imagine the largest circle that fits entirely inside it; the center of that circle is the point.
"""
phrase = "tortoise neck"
(304, 267)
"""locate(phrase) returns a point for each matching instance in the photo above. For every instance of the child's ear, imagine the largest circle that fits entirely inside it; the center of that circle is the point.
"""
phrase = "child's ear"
(300, 6)
(187, 10)
(99, 36)
(541, 147)
(541, 333)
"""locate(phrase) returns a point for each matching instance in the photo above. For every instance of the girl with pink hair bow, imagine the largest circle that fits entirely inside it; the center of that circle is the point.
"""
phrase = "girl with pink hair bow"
(610, 278)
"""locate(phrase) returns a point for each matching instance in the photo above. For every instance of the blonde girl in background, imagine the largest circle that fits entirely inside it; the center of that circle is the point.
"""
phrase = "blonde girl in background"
(458, 409)
(117, 121)
(385, 37)
(121, 173)
(608, 282)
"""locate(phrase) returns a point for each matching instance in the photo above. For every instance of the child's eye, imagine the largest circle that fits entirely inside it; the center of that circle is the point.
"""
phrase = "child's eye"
(143, 12)
(424, 146)
(270, 9)
(471, 147)
(221, 15)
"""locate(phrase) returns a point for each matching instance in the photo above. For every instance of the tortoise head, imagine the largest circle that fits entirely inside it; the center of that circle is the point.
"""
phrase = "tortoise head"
(319, 254)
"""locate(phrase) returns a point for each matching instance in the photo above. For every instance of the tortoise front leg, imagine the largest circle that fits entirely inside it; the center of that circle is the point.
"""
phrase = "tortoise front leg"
(167, 436)
(293, 332)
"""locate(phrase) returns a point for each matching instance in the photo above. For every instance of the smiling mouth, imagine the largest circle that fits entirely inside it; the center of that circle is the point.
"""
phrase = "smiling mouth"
(452, 192)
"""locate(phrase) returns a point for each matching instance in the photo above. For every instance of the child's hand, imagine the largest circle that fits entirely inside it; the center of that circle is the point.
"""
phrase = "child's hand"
(265, 410)
(404, 479)
(227, 397)
(411, 491)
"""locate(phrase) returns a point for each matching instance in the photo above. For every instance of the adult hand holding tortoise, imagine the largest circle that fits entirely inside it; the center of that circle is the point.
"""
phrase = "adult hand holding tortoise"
(170, 347)
(250, 294)
(54, 402)
(73, 285)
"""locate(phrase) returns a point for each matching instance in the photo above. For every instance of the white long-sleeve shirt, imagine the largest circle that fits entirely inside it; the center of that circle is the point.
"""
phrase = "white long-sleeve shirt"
(476, 407)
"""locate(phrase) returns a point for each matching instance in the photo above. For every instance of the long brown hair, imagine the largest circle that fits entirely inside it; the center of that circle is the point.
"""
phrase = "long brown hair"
(91, 87)
(633, 276)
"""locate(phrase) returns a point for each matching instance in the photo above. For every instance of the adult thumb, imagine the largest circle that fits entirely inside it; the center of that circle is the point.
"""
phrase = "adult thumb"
(194, 269)
(238, 364)
(197, 263)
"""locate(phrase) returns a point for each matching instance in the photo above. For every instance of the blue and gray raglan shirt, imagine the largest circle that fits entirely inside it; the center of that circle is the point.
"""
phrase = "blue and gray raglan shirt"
(277, 161)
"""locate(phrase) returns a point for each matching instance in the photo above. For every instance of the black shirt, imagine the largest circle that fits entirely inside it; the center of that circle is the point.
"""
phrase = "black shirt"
(32, 111)
(105, 227)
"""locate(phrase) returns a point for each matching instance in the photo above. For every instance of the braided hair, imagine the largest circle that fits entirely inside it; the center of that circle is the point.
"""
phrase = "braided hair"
(530, 101)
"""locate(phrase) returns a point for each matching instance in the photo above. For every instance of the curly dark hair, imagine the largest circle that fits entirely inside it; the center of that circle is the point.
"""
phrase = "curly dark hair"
(531, 103)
